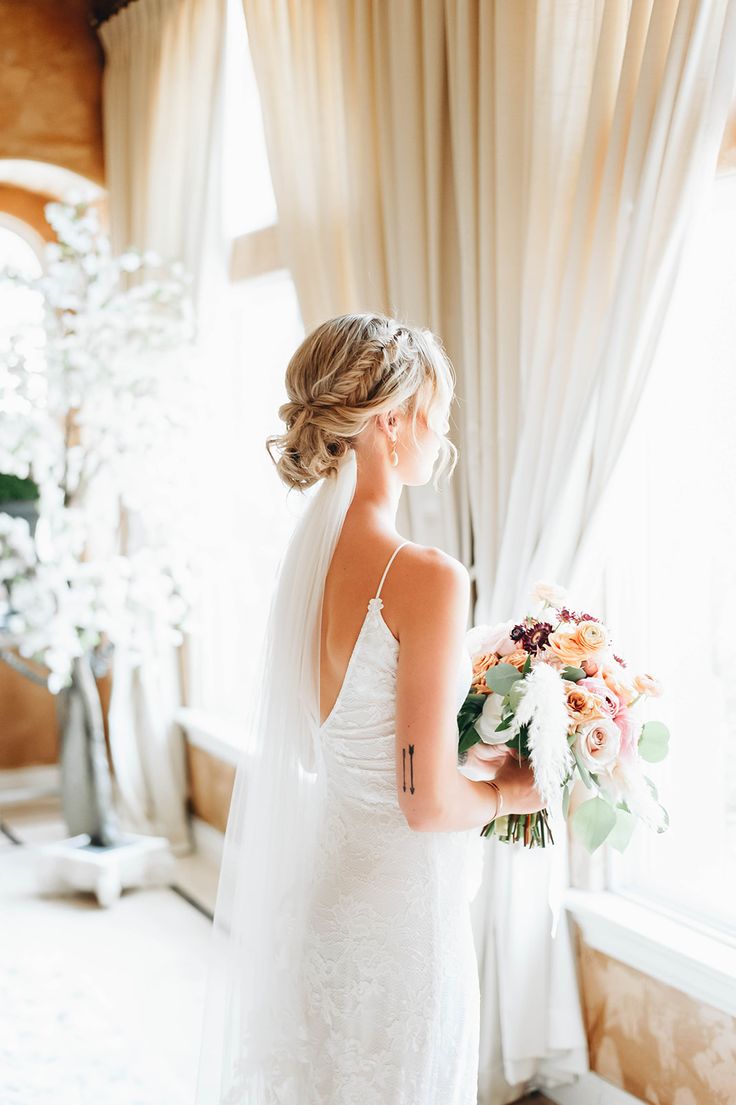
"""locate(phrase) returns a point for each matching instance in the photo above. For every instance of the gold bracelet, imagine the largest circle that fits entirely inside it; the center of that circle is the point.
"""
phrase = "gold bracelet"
(499, 798)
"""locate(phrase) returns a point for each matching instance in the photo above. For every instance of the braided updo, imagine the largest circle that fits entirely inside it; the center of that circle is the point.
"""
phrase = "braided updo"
(345, 372)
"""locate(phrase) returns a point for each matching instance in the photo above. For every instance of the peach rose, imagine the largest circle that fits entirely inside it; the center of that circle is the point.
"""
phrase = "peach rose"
(647, 684)
(598, 744)
(591, 637)
(481, 665)
(565, 645)
(622, 691)
(581, 705)
(606, 700)
(517, 659)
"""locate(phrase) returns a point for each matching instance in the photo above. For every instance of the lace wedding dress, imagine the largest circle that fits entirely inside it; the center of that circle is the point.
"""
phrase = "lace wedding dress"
(390, 965)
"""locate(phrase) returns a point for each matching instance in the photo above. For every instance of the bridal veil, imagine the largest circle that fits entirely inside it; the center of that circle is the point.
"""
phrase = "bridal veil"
(253, 1019)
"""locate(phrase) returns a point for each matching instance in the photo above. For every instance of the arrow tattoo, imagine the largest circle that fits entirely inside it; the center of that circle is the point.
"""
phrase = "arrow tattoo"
(403, 750)
(411, 767)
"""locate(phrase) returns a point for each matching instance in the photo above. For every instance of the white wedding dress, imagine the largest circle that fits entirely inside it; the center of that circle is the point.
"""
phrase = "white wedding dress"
(390, 966)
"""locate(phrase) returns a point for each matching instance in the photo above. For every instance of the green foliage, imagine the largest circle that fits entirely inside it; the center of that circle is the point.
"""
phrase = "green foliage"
(468, 737)
(584, 773)
(15, 489)
(621, 832)
(592, 822)
(565, 801)
(501, 678)
(572, 673)
(516, 693)
(653, 741)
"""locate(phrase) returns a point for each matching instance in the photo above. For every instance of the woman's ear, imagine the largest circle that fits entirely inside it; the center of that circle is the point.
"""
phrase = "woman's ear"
(387, 422)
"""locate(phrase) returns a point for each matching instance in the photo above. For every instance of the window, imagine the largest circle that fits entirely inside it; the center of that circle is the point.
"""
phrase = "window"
(246, 521)
(16, 252)
(20, 250)
(670, 578)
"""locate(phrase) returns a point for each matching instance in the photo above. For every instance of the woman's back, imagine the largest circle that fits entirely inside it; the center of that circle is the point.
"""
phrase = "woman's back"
(390, 967)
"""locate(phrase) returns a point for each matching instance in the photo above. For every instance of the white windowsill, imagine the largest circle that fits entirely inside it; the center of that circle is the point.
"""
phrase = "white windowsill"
(219, 736)
(699, 965)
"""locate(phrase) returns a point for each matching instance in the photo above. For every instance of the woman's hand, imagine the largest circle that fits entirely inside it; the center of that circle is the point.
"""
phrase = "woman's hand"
(483, 760)
(515, 778)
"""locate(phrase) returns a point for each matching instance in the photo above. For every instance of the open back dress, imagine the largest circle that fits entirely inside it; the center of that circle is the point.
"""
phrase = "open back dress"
(390, 968)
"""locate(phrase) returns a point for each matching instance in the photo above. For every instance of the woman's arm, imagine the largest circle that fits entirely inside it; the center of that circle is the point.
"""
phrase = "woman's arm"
(433, 794)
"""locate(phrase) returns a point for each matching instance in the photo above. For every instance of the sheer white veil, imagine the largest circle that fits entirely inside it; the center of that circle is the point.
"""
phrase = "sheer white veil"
(253, 1026)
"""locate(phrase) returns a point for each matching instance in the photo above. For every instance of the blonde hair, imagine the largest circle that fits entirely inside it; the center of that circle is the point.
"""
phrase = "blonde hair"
(348, 370)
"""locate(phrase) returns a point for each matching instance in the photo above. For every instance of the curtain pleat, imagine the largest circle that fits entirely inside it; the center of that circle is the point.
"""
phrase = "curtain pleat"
(162, 116)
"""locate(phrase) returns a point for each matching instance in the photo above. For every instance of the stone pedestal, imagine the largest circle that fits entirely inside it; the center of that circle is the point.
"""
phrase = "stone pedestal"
(75, 864)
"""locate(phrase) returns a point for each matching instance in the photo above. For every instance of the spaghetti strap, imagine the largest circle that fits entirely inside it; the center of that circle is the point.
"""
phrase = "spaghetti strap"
(385, 570)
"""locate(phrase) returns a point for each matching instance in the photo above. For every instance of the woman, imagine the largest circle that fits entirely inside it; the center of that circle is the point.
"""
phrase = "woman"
(344, 969)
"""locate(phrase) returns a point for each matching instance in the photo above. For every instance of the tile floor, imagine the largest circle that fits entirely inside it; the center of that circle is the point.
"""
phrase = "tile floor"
(100, 1007)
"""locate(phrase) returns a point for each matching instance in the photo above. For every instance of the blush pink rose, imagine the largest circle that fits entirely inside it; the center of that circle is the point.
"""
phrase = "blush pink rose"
(598, 744)
(629, 728)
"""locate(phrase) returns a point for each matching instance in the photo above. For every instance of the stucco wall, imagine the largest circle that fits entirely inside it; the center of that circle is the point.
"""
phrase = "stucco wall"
(51, 66)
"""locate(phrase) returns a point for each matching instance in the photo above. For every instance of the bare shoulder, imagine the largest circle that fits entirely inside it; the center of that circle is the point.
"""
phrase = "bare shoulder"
(431, 566)
(433, 579)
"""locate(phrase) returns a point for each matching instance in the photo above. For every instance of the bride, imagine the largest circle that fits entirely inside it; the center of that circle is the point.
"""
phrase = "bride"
(342, 968)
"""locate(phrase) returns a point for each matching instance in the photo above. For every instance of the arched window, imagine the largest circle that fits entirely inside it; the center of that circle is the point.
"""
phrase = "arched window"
(21, 248)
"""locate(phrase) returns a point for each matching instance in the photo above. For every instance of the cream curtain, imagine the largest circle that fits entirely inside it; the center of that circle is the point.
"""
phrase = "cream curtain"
(520, 177)
(584, 136)
(356, 119)
(162, 114)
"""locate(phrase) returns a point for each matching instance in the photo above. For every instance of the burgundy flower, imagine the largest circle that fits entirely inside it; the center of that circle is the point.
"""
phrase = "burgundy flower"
(572, 616)
(533, 636)
(537, 637)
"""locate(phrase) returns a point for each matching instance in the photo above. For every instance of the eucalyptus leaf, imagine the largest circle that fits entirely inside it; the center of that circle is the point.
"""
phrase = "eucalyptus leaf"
(565, 801)
(516, 693)
(572, 673)
(501, 678)
(584, 773)
(592, 821)
(654, 741)
(621, 833)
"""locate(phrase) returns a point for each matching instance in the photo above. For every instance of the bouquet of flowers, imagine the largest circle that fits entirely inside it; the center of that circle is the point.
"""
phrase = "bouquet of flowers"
(552, 689)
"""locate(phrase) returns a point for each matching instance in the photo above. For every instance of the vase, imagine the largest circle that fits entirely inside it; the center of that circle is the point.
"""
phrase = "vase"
(86, 784)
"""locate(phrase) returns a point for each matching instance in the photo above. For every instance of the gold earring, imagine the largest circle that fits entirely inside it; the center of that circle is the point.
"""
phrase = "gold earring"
(394, 457)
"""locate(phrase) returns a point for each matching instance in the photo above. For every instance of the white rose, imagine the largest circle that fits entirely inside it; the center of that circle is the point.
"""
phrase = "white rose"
(490, 638)
(489, 718)
(598, 743)
(552, 593)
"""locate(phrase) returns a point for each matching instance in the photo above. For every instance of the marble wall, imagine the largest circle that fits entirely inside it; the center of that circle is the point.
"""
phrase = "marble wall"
(653, 1041)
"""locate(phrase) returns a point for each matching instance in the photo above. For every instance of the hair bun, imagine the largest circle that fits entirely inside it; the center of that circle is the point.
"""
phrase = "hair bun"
(345, 373)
